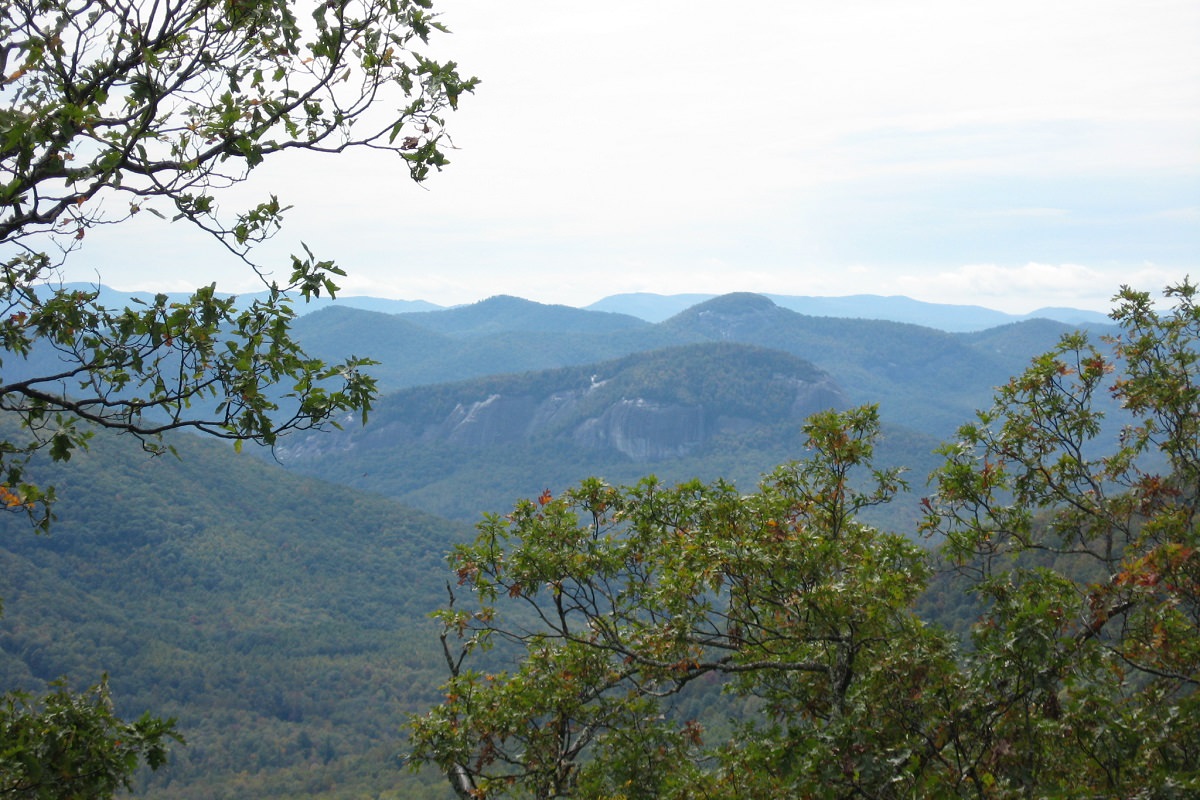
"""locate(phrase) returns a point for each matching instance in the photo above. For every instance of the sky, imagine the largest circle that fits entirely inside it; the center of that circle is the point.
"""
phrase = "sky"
(1015, 154)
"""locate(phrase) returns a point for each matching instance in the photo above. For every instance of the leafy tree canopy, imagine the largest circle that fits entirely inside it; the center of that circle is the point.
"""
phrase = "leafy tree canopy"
(72, 745)
(693, 641)
(113, 108)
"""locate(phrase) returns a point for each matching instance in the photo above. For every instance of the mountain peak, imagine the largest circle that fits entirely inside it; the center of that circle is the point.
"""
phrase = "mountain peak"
(738, 303)
(729, 316)
(506, 301)
(505, 313)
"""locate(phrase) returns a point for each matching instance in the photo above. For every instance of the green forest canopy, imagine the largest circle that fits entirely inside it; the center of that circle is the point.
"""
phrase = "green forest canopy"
(623, 611)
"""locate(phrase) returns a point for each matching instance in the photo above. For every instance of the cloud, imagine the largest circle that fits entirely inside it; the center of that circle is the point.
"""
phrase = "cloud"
(1032, 277)
(1022, 213)
(1024, 288)
(1189, 214)
(1013, 153)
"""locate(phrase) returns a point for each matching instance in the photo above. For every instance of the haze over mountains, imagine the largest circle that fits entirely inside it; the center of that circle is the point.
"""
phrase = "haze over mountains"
(895, 308)
(282, 616)
(505, 397)
(872, 360)
(658, 307)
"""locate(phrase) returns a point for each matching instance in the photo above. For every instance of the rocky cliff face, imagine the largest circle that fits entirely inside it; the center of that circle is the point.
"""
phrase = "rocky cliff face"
(645, 430)
(666, 404)
(639, 428)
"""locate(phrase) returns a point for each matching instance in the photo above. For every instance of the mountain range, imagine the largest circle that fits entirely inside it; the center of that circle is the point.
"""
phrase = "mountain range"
(505, 397)
(651, 307)
(928, 378)
(280, 612)
(894, 308)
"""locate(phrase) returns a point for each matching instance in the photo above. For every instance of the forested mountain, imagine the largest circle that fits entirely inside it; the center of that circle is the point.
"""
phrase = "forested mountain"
(646, 406)
(505, 313)
(649, 307)
(281, 619)
(922, 378)
(716, 409)
(466, 444)
(926, 379)
(419, 349)
(942, 316)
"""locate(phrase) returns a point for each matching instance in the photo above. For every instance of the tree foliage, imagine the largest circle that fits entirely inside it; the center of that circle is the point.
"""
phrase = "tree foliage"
(68, 745)
(112, 108)
(1084, 553)
(692, 641)
(634, 596)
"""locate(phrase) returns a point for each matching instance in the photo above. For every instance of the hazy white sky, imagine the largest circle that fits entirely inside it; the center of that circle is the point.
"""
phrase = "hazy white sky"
(1011, 153)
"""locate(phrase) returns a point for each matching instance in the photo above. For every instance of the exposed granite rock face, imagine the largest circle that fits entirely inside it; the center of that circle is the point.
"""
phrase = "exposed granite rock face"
(647, 407)
(641, 429)
(496, 420)
(814, 396)
(644, 430)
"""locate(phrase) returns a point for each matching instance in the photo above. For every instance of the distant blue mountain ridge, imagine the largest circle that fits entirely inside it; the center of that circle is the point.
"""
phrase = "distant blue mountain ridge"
(895, 308)
(656, 308)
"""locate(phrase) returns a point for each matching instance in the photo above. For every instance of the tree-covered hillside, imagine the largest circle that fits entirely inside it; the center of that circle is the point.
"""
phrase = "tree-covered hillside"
(507, 313)
(412, 351)
(922, 378)
(459, 448)
(728, 380)
(707, 410)
(279, 618)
